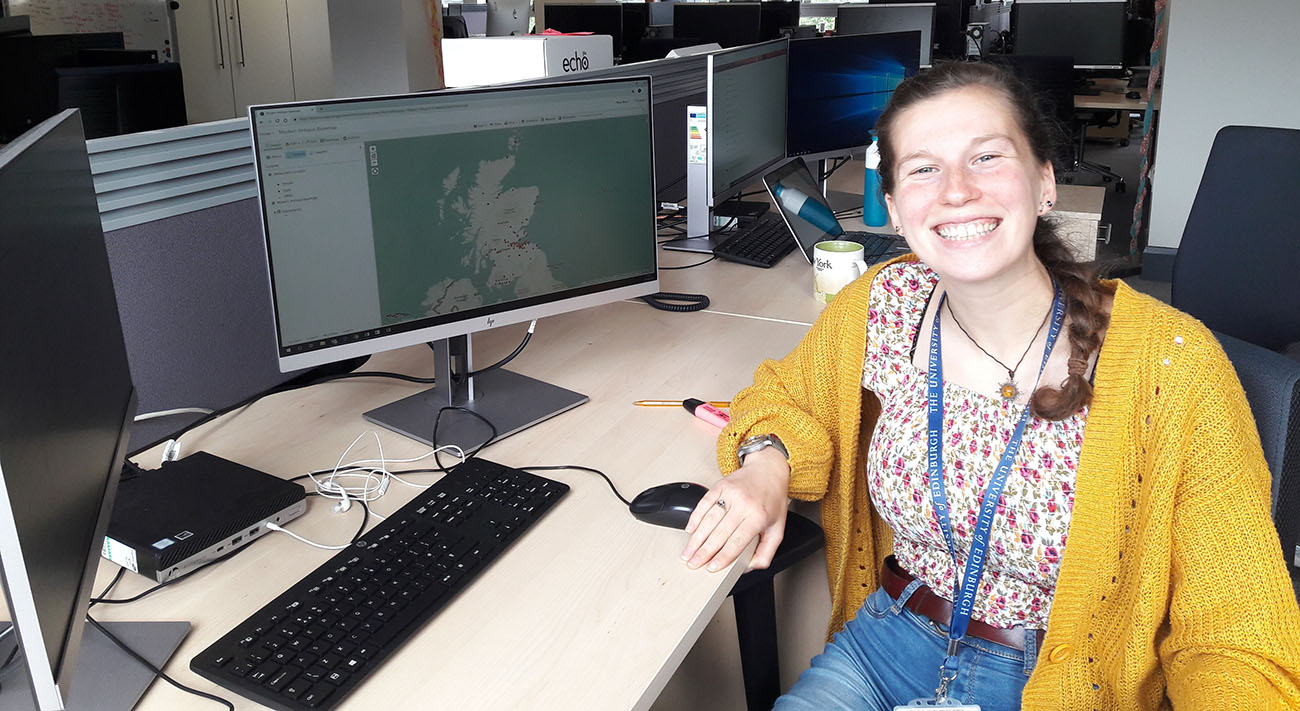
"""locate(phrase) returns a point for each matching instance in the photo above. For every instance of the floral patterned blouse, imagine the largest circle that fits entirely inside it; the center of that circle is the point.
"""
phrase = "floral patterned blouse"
(1033, 516)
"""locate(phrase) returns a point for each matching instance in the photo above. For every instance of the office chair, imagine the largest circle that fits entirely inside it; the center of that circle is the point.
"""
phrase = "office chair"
(1237, 265)
(755, 603)
(1083, 118)
(454, 27)
(1272, 385)
(1236, 271)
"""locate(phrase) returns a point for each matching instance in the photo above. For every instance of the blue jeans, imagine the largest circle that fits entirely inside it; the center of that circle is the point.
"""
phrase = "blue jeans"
(889, 655)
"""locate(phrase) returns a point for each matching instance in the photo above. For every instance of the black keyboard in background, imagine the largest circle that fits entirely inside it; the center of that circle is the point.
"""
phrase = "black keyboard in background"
(315, 643)
(761, 243)
(877, 246)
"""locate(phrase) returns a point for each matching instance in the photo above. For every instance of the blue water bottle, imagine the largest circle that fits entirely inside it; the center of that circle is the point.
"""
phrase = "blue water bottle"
(873, 202)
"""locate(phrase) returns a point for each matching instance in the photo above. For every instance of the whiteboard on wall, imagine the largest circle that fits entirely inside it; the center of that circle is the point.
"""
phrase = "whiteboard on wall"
(144, 24)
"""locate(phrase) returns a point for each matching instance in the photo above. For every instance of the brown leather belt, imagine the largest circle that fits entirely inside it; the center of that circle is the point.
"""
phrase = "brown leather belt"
(936, 609)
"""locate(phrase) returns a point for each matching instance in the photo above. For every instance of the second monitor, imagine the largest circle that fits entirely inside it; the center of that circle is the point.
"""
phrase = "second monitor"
(746, 123)
(738, 134)
(839, 85)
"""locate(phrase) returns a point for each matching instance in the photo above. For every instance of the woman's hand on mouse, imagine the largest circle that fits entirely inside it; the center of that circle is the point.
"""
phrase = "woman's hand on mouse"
(754, 504)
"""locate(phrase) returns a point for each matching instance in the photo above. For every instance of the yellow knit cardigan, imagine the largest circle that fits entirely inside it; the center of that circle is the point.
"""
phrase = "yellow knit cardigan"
(1172, 591)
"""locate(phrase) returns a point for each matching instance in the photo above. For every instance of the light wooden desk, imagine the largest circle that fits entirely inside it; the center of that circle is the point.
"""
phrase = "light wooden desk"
(1113, 98)
(591, 609)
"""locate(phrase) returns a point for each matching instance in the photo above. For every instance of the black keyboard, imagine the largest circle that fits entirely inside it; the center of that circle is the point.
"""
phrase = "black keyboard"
(762, 243)
(313, 645)
(876, 246)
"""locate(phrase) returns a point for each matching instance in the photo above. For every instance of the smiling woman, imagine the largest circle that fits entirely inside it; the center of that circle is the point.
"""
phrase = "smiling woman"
(965, 165)
(1062, 504)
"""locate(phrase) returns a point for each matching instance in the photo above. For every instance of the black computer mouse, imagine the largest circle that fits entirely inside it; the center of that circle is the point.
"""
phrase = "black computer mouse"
(1132, 95)
(668, 504)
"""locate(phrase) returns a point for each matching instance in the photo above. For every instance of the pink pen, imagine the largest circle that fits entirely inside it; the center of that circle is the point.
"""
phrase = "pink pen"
(706, 412)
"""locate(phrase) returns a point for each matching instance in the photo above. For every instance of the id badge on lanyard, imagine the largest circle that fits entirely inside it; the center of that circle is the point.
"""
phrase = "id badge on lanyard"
(938, 705)
(966, 587)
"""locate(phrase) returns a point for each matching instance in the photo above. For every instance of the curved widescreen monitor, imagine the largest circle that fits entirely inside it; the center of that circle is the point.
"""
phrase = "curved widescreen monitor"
(398, 220)
(838, 87)
(746, 115)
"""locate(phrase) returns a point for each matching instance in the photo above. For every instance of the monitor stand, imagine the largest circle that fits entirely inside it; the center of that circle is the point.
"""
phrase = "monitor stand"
(839, 200)
(701, 245)
(699, 222)
(511, 402)
(106, 677)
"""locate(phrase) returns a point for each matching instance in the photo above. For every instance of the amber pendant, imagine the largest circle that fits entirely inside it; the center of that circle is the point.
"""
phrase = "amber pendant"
(1008, 390)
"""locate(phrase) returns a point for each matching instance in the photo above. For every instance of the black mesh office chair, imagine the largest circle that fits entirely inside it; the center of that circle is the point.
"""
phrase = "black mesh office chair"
(1106, 118)
(1238, 264)
(1236, 270)
(1272, 385)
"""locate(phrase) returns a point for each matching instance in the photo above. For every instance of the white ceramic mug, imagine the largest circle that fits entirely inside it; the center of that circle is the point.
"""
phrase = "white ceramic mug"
(835, 263)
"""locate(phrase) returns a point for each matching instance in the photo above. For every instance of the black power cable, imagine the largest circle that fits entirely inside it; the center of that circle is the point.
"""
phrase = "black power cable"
(458, 377)
(437, 420)
(680, 303)
(559, 467)
(835, 165)
(108, 588)
(688, 266)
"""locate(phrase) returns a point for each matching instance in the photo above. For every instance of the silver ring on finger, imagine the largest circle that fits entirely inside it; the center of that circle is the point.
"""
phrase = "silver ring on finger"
(721, 503)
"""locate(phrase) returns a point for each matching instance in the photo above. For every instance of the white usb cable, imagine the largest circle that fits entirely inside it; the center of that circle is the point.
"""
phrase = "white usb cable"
(271, 525)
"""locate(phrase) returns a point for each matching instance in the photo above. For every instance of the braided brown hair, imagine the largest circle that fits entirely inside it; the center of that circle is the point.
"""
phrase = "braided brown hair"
(1085, 295)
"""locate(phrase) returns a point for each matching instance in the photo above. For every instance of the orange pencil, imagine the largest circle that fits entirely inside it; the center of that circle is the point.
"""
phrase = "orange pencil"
(677, 403)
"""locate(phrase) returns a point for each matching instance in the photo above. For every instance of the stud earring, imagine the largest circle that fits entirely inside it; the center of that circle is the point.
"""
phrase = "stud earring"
(898, 229)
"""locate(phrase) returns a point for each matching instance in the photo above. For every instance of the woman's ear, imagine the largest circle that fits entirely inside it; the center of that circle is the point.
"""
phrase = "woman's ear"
(1048, 175)
(893, 213)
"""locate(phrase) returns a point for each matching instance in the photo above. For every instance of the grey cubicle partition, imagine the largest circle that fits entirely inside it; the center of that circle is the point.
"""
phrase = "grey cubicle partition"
(184, 240)
(196, 311)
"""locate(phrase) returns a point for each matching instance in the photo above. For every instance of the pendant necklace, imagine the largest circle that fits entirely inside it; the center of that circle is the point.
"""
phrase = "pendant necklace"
(1007, 389)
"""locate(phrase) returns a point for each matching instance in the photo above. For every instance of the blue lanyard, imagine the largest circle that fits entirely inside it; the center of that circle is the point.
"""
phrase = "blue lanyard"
(968, 585)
